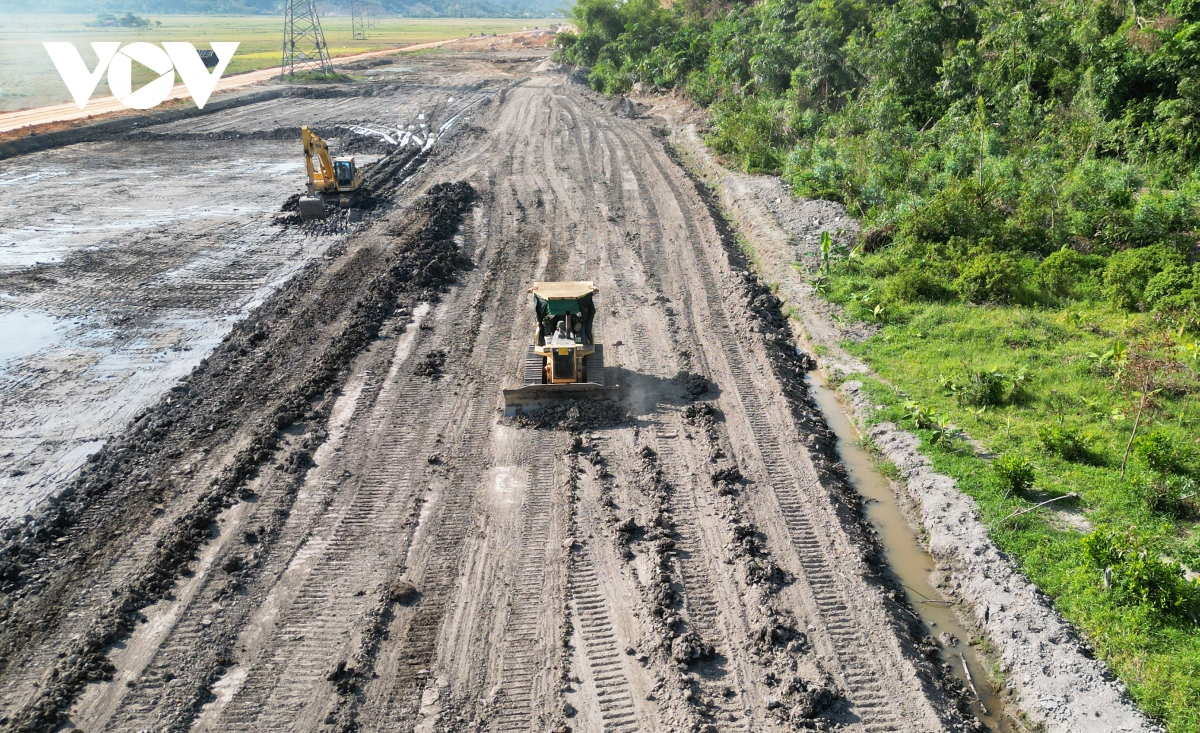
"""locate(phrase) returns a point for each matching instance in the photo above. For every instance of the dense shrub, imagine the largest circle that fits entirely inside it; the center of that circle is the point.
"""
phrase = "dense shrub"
(1139, 574)
(917, 284)
(1066, 272)
(1014, 473)
(1129, 273)
(994, 277)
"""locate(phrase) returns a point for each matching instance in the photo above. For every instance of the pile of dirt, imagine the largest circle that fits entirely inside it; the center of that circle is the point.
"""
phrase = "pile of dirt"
(694, 385)
(350, 142)
(277, 133)
(573, 415)
(431, 364)
(365, 64)
(275, 370)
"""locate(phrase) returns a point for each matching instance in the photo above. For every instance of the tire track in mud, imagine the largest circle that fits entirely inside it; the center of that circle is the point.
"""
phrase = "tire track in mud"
(375, 501)
(416, 639)
(850, 645)
(696, 578)
(851, 648)
(524, 647)
(699, 606)
(600, 652)
(315, 626)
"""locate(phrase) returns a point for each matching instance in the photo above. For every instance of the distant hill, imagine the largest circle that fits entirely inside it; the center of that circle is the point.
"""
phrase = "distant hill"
(407, 8)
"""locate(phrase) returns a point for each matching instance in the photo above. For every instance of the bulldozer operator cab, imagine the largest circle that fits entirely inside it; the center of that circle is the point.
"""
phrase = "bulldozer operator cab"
(565, 312)
(343, 171)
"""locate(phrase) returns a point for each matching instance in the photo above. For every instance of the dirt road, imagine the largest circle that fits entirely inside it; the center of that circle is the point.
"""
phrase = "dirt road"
(329, 526)
(109, 105)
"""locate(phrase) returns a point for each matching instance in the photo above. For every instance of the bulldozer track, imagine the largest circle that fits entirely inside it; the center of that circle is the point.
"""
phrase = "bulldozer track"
(600, 650)
(850, 644)
(525, 643)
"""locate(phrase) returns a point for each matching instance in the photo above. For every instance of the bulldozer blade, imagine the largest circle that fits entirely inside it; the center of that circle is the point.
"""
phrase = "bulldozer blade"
(533, 396)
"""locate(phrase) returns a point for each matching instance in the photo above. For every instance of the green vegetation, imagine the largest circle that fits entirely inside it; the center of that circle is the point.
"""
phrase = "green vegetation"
(128, 20)
(1074, 425)
(997, 151)
(1027, 176)
(28, 78)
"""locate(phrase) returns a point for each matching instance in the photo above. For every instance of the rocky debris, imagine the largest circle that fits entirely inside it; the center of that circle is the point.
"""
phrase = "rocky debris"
(431, 364)
(623, 107)
(689, 647)
(573, 415)
(693, 385)
(813, 701)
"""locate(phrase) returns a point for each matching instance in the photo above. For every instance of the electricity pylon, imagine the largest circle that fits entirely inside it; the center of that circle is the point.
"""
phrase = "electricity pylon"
(304, 46)
(358, 29)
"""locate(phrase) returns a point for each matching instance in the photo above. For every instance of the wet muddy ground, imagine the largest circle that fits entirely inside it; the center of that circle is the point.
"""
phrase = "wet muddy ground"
(315, 530)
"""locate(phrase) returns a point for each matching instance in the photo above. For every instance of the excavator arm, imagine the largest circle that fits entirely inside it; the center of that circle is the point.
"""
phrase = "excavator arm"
(320, 175)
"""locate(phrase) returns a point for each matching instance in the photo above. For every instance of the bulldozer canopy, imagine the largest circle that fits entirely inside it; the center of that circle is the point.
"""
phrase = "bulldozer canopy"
(563, 290)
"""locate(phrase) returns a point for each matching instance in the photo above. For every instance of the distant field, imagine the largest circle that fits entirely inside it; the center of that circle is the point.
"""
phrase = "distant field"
(28, 78)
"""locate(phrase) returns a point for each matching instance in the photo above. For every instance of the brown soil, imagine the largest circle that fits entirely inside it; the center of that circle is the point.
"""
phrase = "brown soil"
(329, 526)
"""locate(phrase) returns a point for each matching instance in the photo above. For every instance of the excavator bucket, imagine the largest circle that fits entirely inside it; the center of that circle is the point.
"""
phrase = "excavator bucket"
(312, 207)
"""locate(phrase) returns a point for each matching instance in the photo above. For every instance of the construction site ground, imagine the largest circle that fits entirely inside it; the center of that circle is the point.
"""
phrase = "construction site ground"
(257, 475)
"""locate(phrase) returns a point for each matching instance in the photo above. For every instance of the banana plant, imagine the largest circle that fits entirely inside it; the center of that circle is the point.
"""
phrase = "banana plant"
(1116, 356)
(826, 253)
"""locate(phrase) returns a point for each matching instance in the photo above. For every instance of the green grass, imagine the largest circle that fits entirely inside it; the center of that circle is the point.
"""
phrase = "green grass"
(29, 79)
(1157, 654)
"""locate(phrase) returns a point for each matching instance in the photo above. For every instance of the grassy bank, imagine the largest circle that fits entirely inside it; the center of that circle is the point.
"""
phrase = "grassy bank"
(28, 78)
(1059, 427)
(1028, 178)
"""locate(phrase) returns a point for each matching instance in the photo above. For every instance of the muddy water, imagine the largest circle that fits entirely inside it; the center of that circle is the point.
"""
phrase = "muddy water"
(907, 561)
(24, 332)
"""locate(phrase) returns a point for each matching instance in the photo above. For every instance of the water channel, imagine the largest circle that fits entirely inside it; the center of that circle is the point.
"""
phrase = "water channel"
(907, 561)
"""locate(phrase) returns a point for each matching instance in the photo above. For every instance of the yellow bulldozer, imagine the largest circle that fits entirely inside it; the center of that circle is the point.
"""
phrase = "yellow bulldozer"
(564, 361)
(331, 181)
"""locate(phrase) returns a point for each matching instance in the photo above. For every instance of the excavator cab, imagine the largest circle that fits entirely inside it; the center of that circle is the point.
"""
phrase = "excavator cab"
(344, 171)
(564, 361)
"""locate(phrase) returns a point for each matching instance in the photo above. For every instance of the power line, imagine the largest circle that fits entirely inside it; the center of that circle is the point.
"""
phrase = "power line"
(304, 48)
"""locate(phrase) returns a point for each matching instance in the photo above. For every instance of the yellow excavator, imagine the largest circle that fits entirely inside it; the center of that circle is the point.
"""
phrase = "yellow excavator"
(564, 361)
(330, 180)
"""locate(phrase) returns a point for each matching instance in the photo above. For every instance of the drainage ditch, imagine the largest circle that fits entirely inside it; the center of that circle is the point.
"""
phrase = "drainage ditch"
(907, 562)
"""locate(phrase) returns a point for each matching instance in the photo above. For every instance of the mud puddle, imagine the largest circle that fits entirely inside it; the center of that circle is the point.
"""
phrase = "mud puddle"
(25, 332)
(907, 561)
